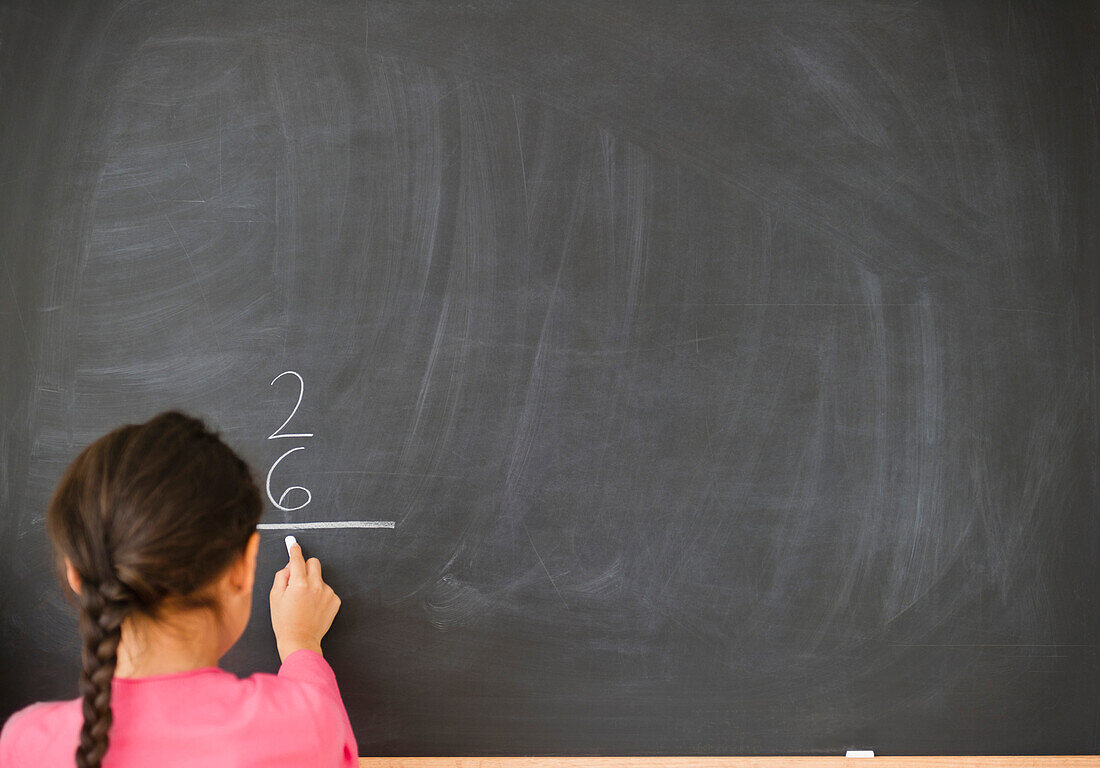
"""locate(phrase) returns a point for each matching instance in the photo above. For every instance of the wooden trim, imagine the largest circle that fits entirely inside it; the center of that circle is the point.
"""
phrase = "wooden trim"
(939, 761)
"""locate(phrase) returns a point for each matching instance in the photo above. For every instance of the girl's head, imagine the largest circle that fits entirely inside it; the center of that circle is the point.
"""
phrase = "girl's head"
(147, 522)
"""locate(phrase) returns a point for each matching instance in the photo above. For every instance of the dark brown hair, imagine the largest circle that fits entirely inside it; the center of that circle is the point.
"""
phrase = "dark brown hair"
(149, 514)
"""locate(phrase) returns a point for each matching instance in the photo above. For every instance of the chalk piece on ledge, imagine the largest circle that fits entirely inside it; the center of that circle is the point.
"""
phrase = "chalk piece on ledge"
(860, 753)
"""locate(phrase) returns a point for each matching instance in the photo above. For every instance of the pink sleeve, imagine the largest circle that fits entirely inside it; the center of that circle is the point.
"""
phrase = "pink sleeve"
(337, 745)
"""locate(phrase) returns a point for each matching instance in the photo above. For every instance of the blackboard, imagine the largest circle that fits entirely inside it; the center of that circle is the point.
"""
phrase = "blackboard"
(728, 371)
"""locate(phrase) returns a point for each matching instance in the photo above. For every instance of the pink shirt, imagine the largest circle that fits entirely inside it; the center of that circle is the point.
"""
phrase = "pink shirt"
(206, 717)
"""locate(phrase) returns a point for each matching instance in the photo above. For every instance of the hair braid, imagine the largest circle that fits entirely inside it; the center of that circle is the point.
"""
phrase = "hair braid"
(102, 609)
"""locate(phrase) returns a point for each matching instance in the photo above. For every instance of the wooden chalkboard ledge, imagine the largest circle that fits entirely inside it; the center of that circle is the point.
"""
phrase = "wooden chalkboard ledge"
(941, 761)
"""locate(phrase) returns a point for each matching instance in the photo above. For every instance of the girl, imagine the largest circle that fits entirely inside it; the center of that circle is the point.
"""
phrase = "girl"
(154, 526)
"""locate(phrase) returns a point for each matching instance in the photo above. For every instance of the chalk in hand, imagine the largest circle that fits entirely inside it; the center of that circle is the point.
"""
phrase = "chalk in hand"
(290, 542)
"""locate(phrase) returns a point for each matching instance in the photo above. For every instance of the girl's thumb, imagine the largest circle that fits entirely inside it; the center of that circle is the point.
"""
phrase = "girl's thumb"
(282, 578)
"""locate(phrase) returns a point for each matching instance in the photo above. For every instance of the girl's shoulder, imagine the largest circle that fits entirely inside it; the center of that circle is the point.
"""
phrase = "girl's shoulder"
(39, 726)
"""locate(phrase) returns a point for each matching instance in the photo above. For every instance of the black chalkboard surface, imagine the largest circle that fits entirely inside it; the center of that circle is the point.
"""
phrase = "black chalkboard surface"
(727, 371)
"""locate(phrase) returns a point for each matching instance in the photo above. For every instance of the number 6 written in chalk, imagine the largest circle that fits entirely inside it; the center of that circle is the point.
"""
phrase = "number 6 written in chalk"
(275, 435)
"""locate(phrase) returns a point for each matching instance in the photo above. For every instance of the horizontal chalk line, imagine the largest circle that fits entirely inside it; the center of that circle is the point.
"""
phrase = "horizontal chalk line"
(997, 645)
(335, 524)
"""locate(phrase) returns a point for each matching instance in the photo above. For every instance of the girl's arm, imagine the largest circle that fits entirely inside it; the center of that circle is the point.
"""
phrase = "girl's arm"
(302, 609)
(336, 740)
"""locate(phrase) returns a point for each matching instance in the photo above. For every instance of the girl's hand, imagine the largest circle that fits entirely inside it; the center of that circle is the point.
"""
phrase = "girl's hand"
(302, 605)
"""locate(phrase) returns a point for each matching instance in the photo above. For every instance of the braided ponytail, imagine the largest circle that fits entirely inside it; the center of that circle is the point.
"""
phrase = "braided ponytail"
(102, 609)
(148, 515)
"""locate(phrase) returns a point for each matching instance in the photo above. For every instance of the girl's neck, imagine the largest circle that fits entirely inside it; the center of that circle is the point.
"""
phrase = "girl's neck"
(189, 642)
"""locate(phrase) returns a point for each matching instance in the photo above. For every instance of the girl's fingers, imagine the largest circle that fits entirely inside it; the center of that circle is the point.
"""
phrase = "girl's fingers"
(313, 568)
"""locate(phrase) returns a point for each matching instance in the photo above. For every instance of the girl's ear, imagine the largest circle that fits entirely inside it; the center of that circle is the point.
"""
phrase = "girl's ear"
(244, 573)
(252, 550)
(72, 576)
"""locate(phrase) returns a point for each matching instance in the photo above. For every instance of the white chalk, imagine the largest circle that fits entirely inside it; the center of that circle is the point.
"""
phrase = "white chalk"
(860, 753)
(290, 542)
